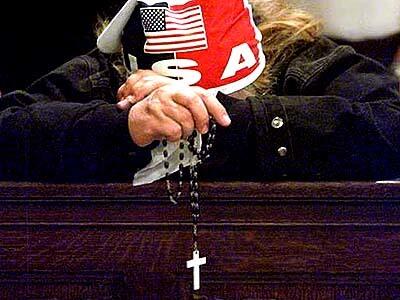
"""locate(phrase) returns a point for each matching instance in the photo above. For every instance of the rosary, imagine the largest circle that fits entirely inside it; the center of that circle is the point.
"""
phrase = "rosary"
(201, 155)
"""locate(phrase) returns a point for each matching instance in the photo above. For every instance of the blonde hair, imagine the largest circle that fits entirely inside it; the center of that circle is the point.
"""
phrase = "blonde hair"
(284, 29)
(101, 24)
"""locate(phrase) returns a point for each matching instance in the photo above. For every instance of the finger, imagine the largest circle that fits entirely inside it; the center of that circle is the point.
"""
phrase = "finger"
(144, 87)
(148, 123)
(168, 129)
(128, 88)
(122, 92)
(141, 84)
(190, 100)
(214, 107)
(162, 126)
(182, 116)
(124, 104)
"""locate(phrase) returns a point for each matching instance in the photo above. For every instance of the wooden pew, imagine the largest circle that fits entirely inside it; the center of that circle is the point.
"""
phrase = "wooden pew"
(262, 241)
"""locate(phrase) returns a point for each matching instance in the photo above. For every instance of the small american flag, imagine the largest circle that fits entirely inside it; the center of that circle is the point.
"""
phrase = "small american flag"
(170, 31)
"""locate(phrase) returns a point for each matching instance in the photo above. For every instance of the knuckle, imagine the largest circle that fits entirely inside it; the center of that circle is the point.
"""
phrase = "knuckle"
(175, 130)
(149, 86)
(198, 102)
(137, 93)
(131, 79)
(163, 95)
(160, 92)
(140, 73)
(174, 133)
(147, 132)
(164, 89)
(153, 105)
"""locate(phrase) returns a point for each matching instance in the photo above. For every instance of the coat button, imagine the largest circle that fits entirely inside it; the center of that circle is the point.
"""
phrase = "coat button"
(282, 151)
(277, 122)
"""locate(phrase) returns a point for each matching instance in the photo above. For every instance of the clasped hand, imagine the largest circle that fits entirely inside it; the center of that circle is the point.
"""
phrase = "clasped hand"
(164, 108)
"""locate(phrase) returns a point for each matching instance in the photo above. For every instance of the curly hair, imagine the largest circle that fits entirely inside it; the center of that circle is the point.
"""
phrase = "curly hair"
(283, 28)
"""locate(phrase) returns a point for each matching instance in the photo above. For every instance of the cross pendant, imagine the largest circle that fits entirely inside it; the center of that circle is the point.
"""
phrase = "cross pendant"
(195, 263)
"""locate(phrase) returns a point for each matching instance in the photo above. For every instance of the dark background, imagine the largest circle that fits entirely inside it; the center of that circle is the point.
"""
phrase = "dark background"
(37, 36)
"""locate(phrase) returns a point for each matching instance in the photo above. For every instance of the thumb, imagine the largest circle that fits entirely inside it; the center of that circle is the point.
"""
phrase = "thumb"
(125, 104)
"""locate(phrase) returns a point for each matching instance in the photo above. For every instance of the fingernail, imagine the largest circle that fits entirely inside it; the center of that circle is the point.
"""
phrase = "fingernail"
(130, 99)
(227, 121)
(205, 129)
(123, 104)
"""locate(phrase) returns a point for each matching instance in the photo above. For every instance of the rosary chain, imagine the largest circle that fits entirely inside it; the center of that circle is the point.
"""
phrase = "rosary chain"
(174, 197)
(202, 154)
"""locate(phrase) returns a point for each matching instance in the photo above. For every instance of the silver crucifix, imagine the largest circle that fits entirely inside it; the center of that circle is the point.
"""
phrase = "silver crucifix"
(195, 263)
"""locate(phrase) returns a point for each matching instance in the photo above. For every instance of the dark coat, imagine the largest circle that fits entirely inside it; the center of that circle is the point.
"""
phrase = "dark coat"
(333, 115)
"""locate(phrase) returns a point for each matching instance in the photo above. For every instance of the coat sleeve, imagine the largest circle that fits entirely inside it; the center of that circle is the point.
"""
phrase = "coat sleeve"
(56, 130)
(84, 78)
(65, 142)
(337, 118)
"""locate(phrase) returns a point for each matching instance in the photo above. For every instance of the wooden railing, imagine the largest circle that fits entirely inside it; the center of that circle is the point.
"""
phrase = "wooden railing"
(262, 241)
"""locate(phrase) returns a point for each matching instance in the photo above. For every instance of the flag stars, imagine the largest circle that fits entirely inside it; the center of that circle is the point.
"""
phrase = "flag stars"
(153, 19)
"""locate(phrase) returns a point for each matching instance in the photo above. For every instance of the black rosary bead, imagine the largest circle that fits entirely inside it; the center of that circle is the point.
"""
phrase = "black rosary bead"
(194, 195)
(195, 218)
(166, 165)
(165, 153)
(195, 208)
(194, 185)
(181, 156)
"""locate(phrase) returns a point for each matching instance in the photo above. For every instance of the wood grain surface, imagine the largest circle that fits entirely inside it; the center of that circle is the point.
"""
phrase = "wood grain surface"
(293, 240)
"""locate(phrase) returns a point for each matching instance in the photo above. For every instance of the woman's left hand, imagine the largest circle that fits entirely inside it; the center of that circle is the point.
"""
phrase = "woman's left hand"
(138, 86)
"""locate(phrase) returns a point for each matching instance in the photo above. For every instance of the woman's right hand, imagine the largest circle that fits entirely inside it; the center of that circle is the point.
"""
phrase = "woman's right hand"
(172, 112)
